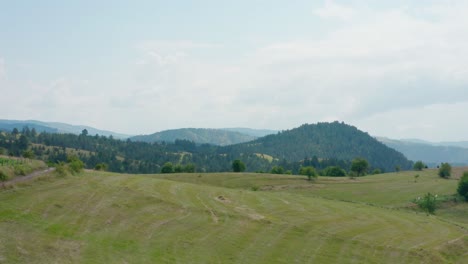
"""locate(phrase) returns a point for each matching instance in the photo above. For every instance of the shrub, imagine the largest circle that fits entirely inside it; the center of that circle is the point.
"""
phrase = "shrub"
(334, 171)
(419, 166)
(167, 168)
(308, 171)
(427, 203)
(20, 170)
(61, 169)
(75, 165)
(376, 171)
(3, 176)
(463, 186)
(101, 167)
(445, 170)
(277, 170)
(238, 166)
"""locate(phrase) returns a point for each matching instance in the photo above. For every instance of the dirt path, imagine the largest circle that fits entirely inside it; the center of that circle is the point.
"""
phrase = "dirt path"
(28, 177)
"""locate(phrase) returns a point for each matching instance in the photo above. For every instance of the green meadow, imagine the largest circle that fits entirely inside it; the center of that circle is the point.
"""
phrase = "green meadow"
(100, 217)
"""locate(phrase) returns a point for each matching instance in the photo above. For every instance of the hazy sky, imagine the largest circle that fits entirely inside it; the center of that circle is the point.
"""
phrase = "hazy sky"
(398, 69)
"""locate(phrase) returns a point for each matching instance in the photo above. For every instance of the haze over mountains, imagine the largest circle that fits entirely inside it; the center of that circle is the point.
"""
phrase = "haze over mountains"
(432, 153)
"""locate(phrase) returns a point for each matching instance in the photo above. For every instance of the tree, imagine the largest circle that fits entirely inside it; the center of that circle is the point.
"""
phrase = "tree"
(28, 154)
(445, 170)
(419, 166)
(359, 166)
(167, 168)
(463, 186)
(101, 167)
(308, 171)
(334, 171)
(277, 170)
(84, 132)
(178, 168)
(238, 166)
(189, 168)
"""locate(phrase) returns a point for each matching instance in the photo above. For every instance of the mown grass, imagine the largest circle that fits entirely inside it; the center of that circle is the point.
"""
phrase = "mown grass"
(213, 218)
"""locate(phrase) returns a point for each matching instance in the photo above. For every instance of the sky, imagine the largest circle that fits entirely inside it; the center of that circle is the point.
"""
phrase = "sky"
(397, 69)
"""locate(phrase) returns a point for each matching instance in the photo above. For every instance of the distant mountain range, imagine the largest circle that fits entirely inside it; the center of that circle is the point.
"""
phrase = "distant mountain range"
(221, 137)
(55, 127)
(429, 152)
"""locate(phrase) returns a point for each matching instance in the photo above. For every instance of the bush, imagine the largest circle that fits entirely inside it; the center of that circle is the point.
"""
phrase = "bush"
(167, 168)
(419, 166)
(445, 170)
(61, 169)
(376, 171)
(3, 176)
(308, 171)
(277, 170)
(238, 166)
(463, 186)
(20, 170)
(427, 203)
(334, 171)
(101, 167)
(75, 165)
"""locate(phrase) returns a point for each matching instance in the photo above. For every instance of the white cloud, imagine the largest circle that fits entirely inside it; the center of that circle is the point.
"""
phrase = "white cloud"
(379, 69)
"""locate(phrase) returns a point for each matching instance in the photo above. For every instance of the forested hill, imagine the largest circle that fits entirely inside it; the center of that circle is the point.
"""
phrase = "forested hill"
(198, 135)
(325, 140)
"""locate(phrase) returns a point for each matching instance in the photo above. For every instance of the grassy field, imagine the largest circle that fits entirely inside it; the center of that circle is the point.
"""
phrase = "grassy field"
(218, 218)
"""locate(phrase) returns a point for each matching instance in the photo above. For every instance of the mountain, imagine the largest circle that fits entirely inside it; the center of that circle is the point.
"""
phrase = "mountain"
(219, 137)
(252, 132)
(325, 141)
(55, 127)
(430, 153)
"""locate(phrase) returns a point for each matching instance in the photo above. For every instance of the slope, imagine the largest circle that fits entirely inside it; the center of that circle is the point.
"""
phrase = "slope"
(110, 218)
(325, 140)
(198, 135)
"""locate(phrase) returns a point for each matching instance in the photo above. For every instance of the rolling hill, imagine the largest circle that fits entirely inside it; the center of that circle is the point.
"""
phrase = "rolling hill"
(325, 140)
(99, 217)
(430, 153)
(219, 137)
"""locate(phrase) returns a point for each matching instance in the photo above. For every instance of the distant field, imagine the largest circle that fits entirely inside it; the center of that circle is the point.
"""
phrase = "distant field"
(219, 218)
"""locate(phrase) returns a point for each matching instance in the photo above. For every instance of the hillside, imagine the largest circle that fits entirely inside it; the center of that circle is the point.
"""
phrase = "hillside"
(217, 218)
(325, 140)
(430, 154)
(56, 127)
(219, 137)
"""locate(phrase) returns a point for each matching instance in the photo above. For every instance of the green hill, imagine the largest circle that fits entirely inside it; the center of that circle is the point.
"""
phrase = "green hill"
(217, 218)
(198, 135)
(325, 140)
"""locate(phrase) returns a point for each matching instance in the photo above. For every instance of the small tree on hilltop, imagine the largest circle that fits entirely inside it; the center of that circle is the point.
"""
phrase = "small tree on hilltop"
(238, 166)
(359, 166)
(419, 166)
(308, 171)
(445, 170)
(463, 186)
